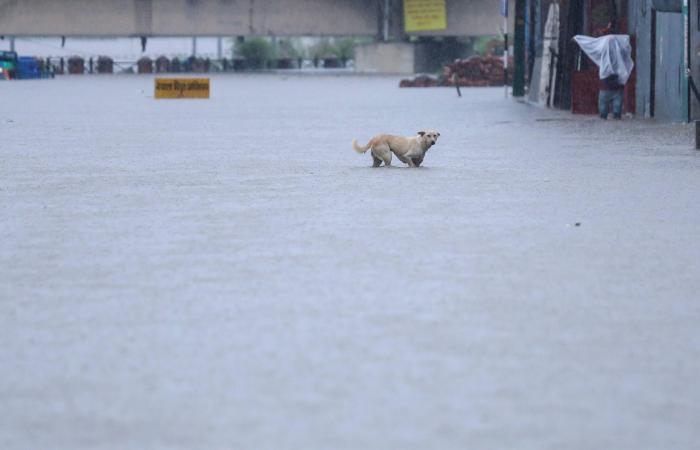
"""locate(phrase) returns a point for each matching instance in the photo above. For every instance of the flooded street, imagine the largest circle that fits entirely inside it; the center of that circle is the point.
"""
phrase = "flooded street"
(229, 273)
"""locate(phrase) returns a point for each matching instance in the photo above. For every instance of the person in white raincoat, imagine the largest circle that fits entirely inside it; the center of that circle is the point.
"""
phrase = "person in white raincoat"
(613, 55)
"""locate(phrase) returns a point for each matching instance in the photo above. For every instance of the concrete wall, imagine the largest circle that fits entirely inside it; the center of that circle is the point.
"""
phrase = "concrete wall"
(50, 17)
(233, 17)
(188, 17)
(392, 57)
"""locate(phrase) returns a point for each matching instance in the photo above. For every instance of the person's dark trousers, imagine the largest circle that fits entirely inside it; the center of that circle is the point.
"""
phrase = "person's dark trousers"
(604, 100)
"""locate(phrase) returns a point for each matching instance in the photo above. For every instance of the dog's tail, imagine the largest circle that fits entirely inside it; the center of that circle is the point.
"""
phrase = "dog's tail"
(358, 148)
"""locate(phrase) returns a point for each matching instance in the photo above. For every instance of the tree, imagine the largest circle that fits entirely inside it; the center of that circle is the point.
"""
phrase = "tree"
(256, 51)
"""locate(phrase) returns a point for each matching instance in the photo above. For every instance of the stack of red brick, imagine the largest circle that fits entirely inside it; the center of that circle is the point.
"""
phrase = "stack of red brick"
(475, 71)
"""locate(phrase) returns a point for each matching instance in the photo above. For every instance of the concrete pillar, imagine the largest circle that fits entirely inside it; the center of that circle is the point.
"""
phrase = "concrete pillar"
(505, 50)
(219, 48)
(194, 46)
(386, 13)
(12, 43)
(519, 50)
(685, 85)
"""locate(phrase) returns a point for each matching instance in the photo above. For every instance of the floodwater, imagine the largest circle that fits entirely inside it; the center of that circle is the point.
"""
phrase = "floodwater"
(229, 273)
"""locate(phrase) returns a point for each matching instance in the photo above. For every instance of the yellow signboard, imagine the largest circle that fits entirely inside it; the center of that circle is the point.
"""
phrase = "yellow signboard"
(424, 15)
(182, 88)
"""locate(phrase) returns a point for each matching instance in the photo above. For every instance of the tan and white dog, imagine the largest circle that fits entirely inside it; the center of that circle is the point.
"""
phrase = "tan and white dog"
(410, 150)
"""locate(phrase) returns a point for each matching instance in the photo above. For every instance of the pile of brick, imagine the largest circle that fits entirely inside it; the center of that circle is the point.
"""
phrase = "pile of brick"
(475, 71)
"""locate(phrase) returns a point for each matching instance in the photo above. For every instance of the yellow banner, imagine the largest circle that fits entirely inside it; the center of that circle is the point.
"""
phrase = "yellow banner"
(424, 15)
(182, 88)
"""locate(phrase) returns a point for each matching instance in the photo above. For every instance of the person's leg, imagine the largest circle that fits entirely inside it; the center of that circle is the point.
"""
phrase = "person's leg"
(603, 101)
(617, 104)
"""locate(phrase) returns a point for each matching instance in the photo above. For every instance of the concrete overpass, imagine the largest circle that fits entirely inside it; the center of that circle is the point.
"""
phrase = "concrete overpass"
(382, 18)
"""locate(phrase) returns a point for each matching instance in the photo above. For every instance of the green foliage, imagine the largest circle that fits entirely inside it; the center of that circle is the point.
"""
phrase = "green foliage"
(345, 49)
(322, 48)
(342, 49)
(259, 52)
(256, 51)
(287, 48)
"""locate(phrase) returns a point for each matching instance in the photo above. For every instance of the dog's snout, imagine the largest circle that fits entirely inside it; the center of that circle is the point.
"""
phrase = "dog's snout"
(433, 143)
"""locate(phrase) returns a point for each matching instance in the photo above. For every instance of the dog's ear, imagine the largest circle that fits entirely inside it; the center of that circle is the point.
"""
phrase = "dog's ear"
(421, 133)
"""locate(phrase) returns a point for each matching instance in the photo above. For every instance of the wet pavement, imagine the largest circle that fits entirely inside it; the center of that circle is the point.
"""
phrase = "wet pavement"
(229, 273)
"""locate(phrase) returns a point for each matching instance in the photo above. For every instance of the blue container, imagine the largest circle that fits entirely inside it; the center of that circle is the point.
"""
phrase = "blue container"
(28, 68)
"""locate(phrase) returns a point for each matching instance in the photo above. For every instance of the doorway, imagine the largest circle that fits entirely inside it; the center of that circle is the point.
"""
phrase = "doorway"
(665, 81)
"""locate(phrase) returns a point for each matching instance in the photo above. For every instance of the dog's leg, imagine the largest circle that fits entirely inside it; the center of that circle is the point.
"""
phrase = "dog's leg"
(382, 152)
(417, 161)
(377, 161)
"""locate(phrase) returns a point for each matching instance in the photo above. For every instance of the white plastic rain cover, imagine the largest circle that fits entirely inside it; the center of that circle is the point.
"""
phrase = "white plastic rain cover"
(612, 54)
